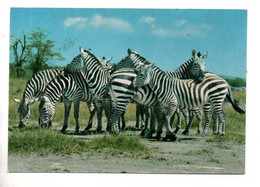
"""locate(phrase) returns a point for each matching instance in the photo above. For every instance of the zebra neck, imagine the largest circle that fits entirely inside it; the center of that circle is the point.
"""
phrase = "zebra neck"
(97, 79)
(182, 72)
(158, 81)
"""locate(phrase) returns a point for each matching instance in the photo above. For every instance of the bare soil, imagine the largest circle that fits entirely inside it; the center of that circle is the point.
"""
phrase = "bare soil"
(189, 154)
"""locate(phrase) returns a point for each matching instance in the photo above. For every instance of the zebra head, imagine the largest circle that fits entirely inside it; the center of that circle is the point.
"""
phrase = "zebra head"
(198, 66)
(46, 112)
(143, 75)
(105, 63)
(136, 59)
(23, 110)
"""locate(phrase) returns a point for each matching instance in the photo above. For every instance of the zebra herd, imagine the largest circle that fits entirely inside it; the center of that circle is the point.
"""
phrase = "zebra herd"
(134, 79)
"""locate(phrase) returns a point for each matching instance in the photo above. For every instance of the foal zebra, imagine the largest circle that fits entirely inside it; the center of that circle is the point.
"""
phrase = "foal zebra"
(173, 93)
(122, 85)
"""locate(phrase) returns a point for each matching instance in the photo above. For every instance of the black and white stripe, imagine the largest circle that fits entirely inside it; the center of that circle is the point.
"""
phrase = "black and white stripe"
(173, 93)
(72, 88)
(33, 90)
(123, 90)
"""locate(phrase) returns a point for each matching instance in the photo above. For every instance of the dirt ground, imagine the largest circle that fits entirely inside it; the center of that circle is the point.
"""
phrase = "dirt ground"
(189, 154)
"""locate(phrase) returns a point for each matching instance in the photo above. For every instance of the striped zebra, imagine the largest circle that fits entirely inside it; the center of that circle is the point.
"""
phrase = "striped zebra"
(96, 77)
(33, 90)
(71, 87)
(122, 89)
(173, 93)
(35, 87)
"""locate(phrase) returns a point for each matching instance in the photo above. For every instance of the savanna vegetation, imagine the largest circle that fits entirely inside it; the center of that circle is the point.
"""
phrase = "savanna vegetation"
(44, 141)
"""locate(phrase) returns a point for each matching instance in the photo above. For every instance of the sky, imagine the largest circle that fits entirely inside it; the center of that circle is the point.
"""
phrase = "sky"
(165, 37)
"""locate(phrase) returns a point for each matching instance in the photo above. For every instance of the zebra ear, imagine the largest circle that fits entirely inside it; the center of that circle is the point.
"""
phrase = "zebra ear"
(81, 51)
(194, 54)
(17, 100)
(109, 59)
(129, 51)
(205, 55)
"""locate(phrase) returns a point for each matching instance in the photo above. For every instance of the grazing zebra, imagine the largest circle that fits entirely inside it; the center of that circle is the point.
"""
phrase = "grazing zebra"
(123, 90)
(173, 93)
(35, 87)
(71, 87)
(33, 90)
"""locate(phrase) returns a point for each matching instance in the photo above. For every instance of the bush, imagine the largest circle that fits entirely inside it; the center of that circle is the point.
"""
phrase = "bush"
(237, 82)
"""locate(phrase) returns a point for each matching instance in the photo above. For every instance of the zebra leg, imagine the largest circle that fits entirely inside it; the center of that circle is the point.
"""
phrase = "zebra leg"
(145, 131)
(207, 114)
(161, 120)
(67, 106)
(152, 122)
(106, 104)
(92, 111)
(137, 113)
(169, 132)
(215, 122)
(123, 120)
(188, 115)
(76, 116)
(99, 116)
(199, 118)
(222, 122)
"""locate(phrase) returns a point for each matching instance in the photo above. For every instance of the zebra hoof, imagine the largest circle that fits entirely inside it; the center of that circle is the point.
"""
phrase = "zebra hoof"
(171, 137)
(21, 125)
(176, 130)
(142, 133)
(159, 138)
(88, 127)
(62, 131)
(149, 135)
(204, 134)
(186, 133)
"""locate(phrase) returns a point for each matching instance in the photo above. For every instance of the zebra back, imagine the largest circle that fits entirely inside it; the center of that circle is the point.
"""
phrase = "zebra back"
(127, 63)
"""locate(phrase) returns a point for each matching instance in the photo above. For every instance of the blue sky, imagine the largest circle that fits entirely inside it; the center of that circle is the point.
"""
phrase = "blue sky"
(165, 37)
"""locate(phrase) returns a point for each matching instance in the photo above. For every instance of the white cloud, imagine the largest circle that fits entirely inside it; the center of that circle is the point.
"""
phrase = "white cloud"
(74, 20)
(181, 22)
(96, 21)
(180, 28)
(99, 20)
(147, 19)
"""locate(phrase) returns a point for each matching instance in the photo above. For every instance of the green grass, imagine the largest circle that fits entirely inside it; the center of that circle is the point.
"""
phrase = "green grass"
(44, 141)
(120, 145)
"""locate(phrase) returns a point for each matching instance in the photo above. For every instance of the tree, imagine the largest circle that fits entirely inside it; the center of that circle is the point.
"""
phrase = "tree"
(19, 48)
(40, 51)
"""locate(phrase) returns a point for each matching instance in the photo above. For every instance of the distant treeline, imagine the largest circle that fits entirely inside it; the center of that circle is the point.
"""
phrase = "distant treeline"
(26, 72)
(236, 82)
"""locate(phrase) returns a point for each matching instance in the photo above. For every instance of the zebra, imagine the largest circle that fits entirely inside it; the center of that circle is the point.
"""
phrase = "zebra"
(95, 76)
(35, 87)
(71, 87)
(173, 93)
(33, 90)
(122, 88)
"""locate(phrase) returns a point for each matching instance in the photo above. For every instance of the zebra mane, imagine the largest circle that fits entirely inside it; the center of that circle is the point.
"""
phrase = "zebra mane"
(122, 62)
(93, 56)
(37, 74)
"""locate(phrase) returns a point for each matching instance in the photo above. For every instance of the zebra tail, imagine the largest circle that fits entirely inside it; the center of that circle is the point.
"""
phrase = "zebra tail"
(233, 102)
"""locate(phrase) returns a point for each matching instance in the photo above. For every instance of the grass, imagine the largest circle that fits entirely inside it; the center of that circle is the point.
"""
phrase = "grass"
(45, 141)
